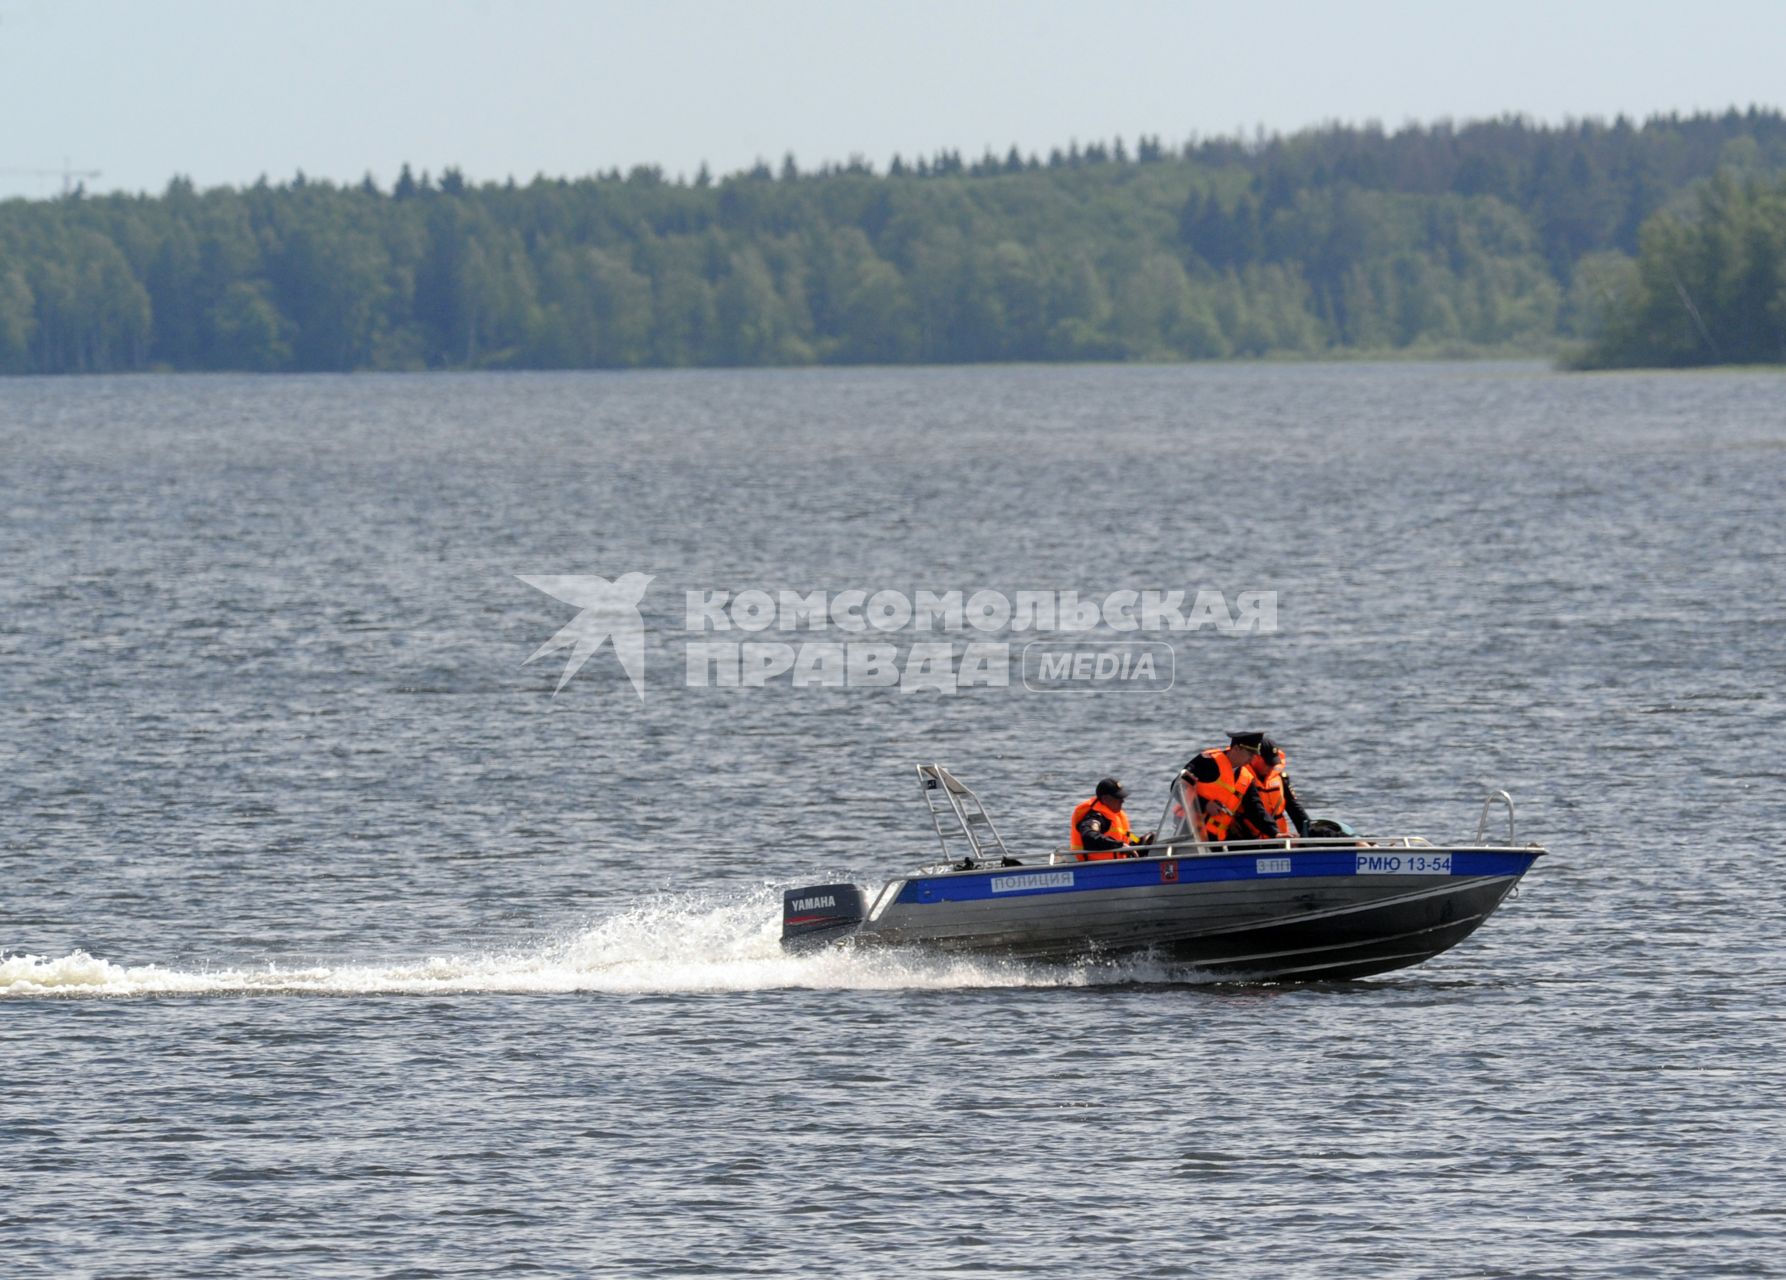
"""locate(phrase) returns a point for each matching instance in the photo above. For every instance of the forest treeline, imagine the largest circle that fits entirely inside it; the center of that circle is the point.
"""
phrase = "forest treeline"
(1708, 286)
(1502, 235)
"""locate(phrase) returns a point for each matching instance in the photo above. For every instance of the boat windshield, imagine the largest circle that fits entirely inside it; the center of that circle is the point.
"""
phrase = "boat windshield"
(1175, 823)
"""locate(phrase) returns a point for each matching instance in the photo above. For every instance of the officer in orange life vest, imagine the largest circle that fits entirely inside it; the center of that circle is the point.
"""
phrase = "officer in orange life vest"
(1100, 827)
(1272, 769)
(1229, 802)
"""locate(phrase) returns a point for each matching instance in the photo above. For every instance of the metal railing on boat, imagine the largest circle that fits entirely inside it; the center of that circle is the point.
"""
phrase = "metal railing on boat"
(963, 826)
(1183, 849)
(1191, 848)
(1488, 803)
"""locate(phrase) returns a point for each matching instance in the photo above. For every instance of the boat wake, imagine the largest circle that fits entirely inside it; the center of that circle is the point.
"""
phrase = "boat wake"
(668, 944)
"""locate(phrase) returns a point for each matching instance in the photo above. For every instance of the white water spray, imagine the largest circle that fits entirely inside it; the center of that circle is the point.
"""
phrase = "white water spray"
(672, 943)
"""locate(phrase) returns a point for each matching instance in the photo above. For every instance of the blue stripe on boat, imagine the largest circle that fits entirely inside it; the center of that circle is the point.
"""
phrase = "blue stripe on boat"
(1131, 873)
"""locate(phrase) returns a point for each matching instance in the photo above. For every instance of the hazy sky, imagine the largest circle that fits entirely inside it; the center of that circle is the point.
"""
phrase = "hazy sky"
(224, 90)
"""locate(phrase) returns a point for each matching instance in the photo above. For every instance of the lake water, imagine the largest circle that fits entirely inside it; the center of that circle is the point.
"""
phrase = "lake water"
(336, 943)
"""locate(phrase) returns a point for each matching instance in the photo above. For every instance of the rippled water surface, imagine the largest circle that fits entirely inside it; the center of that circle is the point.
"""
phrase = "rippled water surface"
(333, 943)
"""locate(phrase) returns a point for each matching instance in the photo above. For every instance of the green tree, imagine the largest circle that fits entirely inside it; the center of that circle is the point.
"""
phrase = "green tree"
(752, 326)
(18, 321)
(1709, 288)
(248, 330)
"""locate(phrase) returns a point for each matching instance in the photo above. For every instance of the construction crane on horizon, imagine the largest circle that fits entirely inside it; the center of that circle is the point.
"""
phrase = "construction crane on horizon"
(67, 174)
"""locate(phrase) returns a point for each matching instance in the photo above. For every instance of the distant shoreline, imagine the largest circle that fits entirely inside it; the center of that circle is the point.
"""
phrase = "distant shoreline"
(1476, 241)
(1535, 363)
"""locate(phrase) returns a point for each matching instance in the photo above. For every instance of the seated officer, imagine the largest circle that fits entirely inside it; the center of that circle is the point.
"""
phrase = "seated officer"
(1100, 827)
(1272, 769)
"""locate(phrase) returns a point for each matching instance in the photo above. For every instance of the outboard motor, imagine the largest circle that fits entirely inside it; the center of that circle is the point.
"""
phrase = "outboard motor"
(820, 914)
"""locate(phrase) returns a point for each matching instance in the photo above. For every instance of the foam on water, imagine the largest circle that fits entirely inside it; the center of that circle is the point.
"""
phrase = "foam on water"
(672, 943)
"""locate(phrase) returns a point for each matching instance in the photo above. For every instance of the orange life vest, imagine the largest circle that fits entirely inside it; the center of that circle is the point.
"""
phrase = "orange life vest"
(1218, 802)
(1116, 828)
(1271, 794)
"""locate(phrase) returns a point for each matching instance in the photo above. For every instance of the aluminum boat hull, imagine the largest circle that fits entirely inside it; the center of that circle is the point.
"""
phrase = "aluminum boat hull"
(1279, 913)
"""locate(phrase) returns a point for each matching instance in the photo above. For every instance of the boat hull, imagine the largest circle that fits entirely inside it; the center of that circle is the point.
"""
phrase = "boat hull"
(1280, 914)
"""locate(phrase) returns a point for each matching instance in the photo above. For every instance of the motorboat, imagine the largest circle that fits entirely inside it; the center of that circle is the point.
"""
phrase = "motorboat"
(1283, 910)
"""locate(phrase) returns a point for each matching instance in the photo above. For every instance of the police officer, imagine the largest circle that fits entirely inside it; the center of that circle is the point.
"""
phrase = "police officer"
(1272, 770)
(1100, 829)
(1229, 805)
